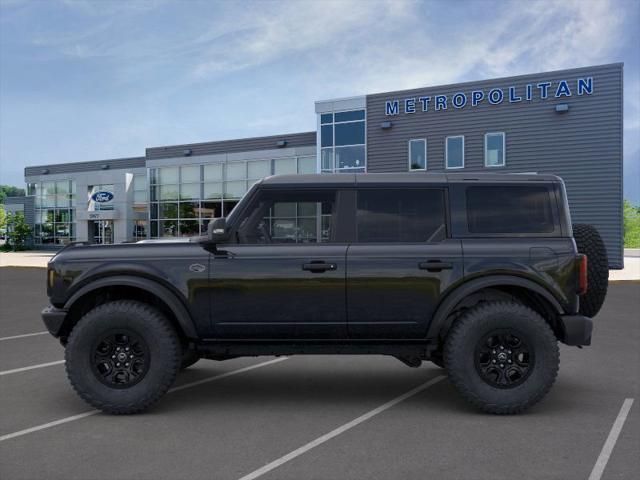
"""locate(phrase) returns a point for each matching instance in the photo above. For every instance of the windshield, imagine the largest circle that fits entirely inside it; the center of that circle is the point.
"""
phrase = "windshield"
(232, 215)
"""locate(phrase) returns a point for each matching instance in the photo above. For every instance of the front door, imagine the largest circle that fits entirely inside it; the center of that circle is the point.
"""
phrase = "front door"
(401, 262)
(285, 276)
(102, 231)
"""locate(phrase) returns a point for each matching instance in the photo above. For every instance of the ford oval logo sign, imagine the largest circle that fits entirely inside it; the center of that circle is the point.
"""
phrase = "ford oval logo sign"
(102, 197)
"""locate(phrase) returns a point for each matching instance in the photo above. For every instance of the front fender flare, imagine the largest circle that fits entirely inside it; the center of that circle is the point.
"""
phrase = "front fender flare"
(440, 318)
(164, 294)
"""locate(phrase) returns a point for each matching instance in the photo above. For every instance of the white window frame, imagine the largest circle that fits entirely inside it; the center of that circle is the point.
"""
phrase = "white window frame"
(409, 154)
(446, 147)
(319, 148)
(504, 149)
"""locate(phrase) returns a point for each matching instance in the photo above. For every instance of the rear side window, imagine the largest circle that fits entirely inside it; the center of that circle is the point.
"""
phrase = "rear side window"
(509, 209)
(393, 215)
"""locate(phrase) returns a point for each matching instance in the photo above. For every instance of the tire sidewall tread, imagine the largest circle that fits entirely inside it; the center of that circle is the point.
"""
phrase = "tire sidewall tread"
(459, 356)
(164, 349)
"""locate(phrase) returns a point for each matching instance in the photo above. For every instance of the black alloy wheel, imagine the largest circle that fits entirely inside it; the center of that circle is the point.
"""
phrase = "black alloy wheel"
(503, 358)
(120, 359)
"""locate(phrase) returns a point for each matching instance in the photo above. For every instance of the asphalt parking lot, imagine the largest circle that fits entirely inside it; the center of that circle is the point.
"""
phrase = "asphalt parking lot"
(315, 417)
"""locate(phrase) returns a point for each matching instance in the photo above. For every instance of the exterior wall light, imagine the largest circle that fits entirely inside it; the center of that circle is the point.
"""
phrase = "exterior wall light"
(44, 171)
(186, 152)
(105, 166)
(386, 125)
(281, 143)
(562, 108)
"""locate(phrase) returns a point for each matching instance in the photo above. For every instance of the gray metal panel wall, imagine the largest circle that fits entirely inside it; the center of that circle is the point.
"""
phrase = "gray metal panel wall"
(114, 163)
(231, 146)
(583, 146)
(28, 209)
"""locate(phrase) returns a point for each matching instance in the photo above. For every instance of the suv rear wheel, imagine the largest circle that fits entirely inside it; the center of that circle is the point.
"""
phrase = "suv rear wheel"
(123, 356)
(502, 357)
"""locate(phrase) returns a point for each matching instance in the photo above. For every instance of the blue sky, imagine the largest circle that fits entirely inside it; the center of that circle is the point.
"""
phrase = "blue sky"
(87, 80)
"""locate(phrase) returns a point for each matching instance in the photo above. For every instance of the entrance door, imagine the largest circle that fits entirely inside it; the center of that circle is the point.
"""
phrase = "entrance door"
(102, 231)
(401, 263)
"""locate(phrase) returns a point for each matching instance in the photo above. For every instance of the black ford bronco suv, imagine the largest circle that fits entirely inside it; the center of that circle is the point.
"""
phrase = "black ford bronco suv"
(482, 274)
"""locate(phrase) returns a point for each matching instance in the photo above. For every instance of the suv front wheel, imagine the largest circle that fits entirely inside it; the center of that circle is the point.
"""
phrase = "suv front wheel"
(123, 356)
(502, 357)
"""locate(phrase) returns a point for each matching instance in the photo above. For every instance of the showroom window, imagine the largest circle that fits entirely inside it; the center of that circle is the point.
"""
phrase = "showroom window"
(184, 199)
(54, 212)
(140, 189)
(455, 152)
(418, 154)
(494, 149)
(342, 141)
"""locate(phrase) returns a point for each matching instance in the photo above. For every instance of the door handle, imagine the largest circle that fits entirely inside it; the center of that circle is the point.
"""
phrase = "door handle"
(435, 266)
(319, 267)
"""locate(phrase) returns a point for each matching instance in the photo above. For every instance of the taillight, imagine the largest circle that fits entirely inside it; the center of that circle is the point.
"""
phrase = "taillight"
(582, 275)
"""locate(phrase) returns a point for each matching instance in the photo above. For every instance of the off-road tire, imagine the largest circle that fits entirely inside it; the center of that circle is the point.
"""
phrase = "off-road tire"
(164, 352)
(460, 356)
(589, 242)
(189, 357)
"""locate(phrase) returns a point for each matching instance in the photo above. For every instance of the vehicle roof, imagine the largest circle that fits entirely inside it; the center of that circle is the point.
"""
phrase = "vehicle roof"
(352, 179)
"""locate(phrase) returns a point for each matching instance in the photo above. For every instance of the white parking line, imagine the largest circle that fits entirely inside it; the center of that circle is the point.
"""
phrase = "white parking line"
(174, 389)
(23, 335)
(334, 433)
(31, 367)
(603, 458)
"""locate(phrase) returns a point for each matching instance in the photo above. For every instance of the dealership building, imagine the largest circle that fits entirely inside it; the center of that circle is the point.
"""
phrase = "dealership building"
(568, 123)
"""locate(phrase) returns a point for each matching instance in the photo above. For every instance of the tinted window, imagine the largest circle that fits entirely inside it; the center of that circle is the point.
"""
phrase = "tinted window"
(413, 215)
(417, 154)
(349, 133)
(289, 217)
(350, 116)
(509, 209)
(455, 152)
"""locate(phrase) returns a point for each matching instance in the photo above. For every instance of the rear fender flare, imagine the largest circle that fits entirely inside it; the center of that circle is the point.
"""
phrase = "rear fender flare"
(440, 320)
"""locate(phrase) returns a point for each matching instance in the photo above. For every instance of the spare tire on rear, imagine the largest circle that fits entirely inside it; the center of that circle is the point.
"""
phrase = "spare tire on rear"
(589, 242)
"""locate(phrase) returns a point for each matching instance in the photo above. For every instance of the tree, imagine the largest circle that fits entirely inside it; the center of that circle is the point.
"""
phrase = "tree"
(10, 191)
(631, 225)
(3, 218)
(18, 231)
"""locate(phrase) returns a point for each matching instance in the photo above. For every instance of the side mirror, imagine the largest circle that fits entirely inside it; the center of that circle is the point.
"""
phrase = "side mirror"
(217, 230)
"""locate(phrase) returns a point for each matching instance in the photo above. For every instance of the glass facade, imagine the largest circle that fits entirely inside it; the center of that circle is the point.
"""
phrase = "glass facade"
(183, 199)
(342, 141)
(140, 226)
(54, 213)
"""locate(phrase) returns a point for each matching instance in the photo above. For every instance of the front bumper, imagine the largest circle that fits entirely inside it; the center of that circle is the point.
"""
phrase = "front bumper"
(577, 330)
(53, 319)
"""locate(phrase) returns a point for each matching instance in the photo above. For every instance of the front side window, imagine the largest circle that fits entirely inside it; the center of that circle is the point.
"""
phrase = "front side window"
(393, 215)
(494, 150)
(289, 217)
(342, 141)
(455, 152)
(418, 154)
(509, 209)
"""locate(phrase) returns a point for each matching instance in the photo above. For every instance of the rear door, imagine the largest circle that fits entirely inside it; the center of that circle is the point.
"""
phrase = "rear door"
(402, 261)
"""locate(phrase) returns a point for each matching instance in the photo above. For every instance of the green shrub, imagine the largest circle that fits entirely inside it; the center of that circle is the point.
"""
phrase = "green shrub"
(631, 225)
